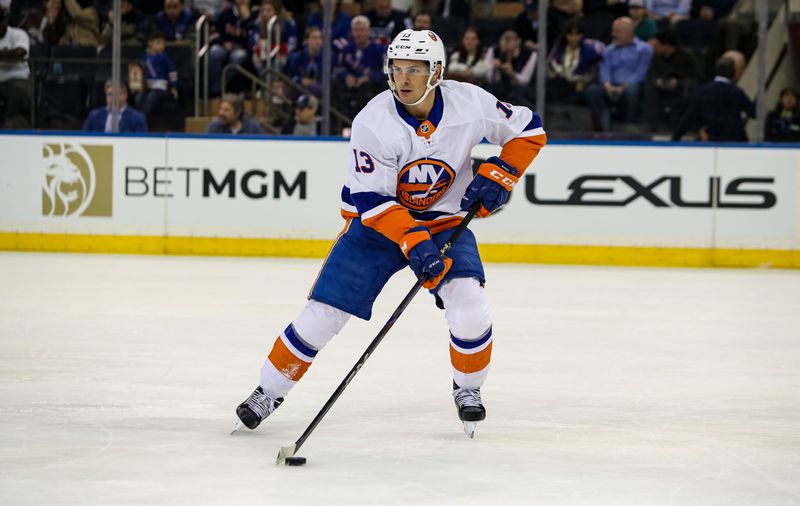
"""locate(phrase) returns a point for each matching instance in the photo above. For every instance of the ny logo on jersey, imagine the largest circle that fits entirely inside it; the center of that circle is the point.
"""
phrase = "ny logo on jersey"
(423, 182)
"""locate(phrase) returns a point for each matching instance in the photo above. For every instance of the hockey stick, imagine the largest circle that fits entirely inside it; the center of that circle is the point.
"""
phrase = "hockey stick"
(289, 451)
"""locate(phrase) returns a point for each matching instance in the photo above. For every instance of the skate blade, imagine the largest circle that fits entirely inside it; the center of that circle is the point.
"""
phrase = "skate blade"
(469, 429)
(239, 426)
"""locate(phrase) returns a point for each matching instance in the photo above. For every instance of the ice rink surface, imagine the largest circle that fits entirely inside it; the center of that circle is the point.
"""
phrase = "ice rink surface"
(609, 386)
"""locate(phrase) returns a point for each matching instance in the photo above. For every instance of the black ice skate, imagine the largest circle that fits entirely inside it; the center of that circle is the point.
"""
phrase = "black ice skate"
(470, 408)
(255, 409)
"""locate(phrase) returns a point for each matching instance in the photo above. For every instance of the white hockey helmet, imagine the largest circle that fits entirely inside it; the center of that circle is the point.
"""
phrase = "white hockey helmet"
(421, 45)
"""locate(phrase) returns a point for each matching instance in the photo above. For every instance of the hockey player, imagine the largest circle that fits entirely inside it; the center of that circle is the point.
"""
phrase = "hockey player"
(410, 181)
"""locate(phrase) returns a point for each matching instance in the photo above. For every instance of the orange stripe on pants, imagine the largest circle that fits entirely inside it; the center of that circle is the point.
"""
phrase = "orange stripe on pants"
(471, 363)
(287, 362)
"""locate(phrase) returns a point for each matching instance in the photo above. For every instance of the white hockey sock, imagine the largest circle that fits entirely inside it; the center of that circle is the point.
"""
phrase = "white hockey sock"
(297, 346)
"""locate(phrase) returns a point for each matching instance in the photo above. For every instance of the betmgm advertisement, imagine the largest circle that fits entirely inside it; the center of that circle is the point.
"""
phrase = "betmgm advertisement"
(78, 180)
(577, 203)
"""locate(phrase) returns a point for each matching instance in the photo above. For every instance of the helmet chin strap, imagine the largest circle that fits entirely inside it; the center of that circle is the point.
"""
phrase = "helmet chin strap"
(428, 88)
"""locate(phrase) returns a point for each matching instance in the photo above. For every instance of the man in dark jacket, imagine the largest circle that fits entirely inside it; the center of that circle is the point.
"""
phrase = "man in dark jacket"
(674, 72)
(719, 109)
(130, 120)
(231, 118)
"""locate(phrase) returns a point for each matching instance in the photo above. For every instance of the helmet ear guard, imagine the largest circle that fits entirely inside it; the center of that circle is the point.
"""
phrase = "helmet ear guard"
(419, 45)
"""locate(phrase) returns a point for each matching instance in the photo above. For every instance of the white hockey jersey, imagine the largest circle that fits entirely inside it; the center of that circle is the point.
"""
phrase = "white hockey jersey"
(400, 165)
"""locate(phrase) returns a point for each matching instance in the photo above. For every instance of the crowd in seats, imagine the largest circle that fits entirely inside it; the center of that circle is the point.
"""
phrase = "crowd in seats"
(70, 51)
(614, 67)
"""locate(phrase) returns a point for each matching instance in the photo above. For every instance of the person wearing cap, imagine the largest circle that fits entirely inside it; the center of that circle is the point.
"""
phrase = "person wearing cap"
(14, 73)
(305, 122)
(644, 27)
(409, 185)
(231, 118)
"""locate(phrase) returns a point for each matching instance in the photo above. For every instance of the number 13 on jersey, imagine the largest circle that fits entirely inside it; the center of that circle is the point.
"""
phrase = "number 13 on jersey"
(368, 165)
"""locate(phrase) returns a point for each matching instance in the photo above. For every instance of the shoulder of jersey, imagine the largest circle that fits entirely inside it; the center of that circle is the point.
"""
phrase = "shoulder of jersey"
(465, 97)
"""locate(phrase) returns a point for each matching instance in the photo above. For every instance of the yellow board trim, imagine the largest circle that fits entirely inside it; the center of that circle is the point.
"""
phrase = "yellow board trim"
(523, 253)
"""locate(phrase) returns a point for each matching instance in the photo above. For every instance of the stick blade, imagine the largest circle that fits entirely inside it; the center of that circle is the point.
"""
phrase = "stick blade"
(286, 451)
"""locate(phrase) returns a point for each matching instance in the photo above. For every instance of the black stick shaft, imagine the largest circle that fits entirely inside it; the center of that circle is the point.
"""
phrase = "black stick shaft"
(385, 330)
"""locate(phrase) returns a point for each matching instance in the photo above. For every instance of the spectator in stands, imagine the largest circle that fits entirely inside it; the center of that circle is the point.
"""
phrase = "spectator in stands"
(712, 9)
(46, 25)
(305, 65)
(511, 67)
(526, 24)
(423, 21)
(15, 101)
(230, 42)
(783, 123)
(573, 64)
(719, 109)
(468, 62)
(83, 28)
(231, 118)
(161, 77)
(340, 24)
(134, 26)
(644, 27)
(130, 120)
(385, 22)
(559, 13)
(611, 8)
(176, 22)
(670, 11)
(622, 73)
(359, 70)
(284, 24)
(738, 63)
(674, 72)
(305, 121)
(454, 9)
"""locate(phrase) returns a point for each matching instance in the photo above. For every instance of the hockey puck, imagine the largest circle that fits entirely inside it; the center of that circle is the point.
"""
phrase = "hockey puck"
(295, 461)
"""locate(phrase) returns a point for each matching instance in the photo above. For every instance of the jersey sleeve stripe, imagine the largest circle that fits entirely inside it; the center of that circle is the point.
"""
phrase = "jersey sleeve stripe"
(531, 133)
(367, 202)
(520, 152)
(377, 210)
(393, 221)
(535, 122)
(346, 197)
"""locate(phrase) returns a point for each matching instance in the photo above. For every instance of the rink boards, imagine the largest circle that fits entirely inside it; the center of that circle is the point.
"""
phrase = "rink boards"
(624, 204)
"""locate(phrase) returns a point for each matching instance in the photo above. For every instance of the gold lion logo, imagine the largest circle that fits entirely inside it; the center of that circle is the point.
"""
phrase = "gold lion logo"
(77, 180)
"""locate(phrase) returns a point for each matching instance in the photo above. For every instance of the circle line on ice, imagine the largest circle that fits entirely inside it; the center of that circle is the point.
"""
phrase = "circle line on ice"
(423, 182)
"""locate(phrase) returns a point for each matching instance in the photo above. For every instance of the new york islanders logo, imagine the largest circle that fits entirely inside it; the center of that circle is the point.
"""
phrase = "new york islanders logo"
(423, 182)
